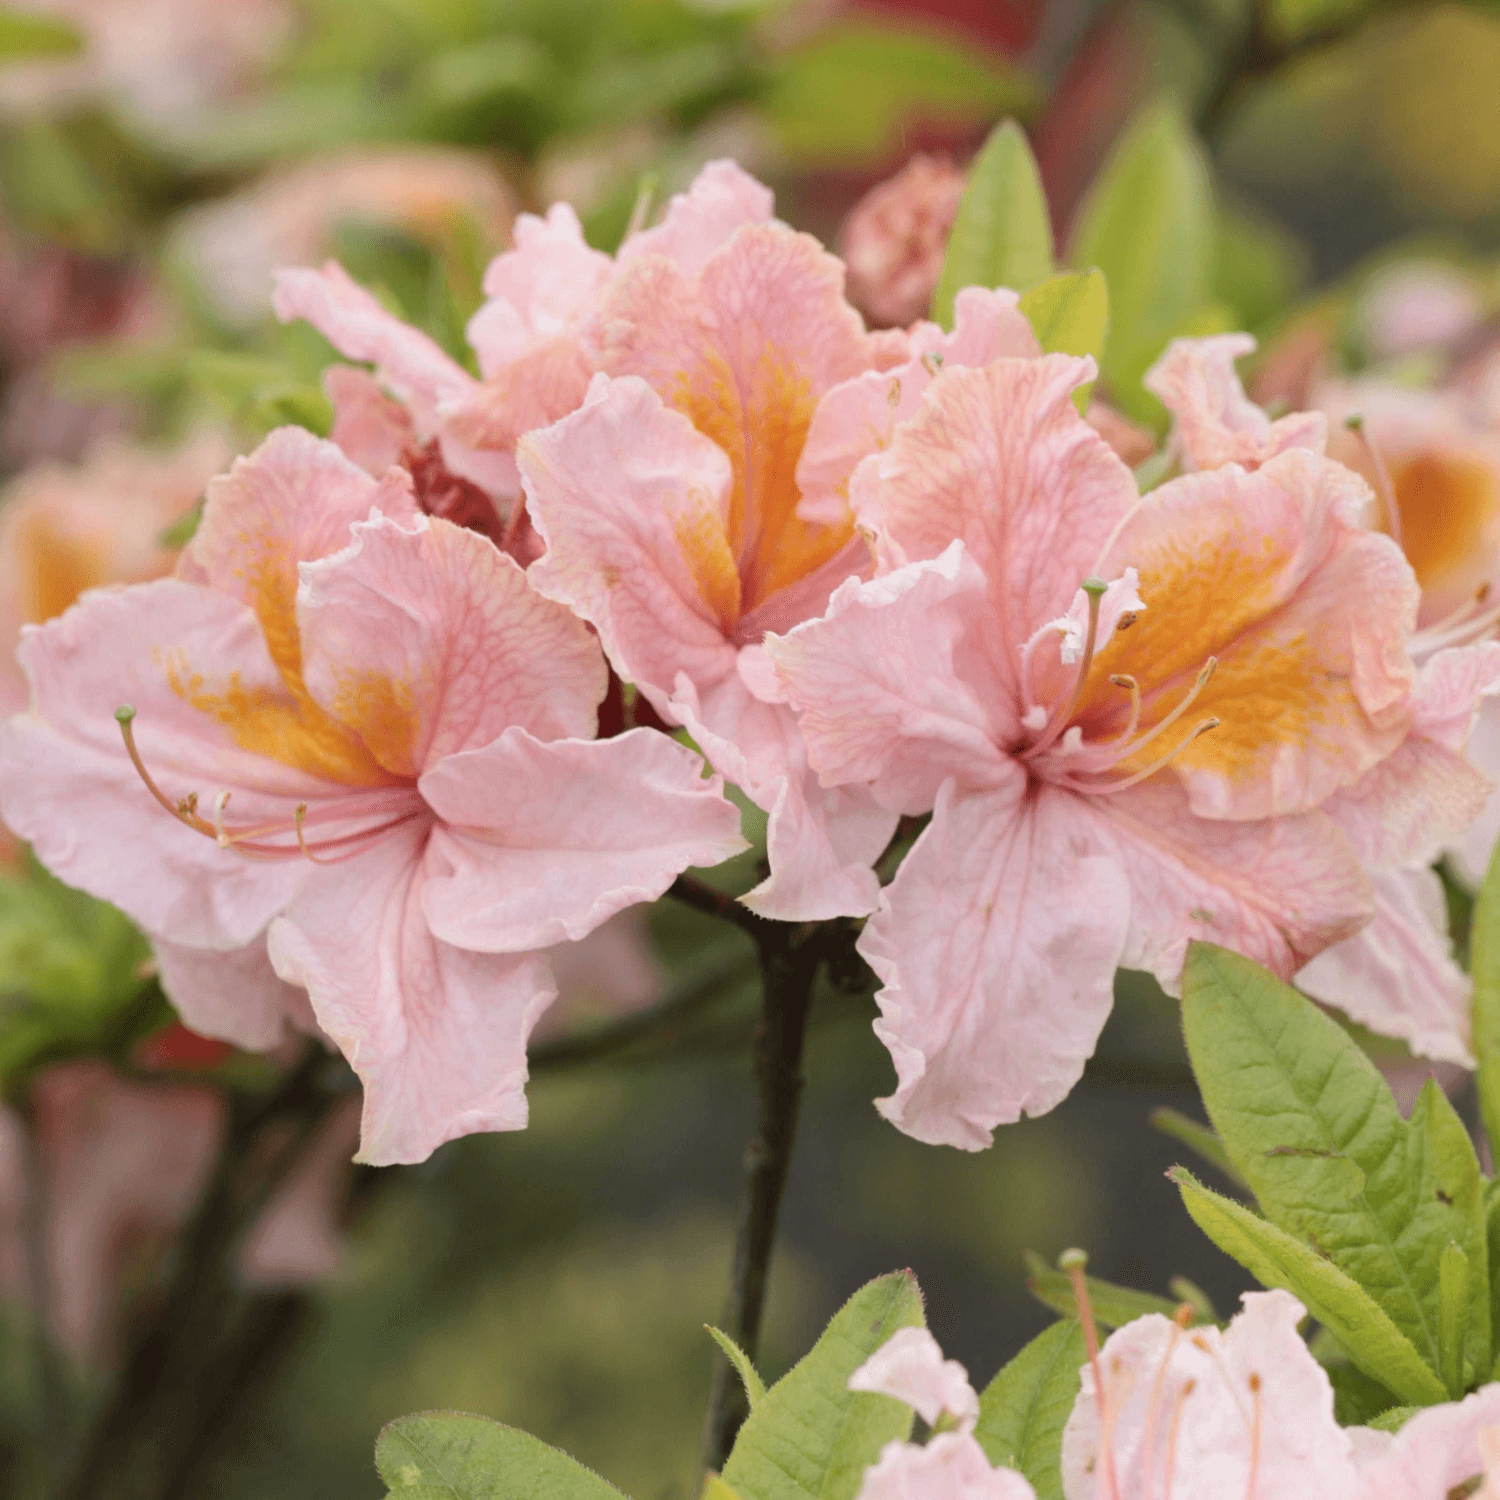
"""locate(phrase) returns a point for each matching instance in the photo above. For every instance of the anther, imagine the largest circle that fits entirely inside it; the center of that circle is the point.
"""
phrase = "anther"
(1095, 589)
(1383, 486)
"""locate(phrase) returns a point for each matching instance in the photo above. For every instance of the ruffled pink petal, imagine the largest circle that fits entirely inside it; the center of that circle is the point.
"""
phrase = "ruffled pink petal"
(368, 427)
(951, 1466)
(1427, 796)
(1245, 1413)
(543, 286)
(540, 843)
(996, 944)
(234, 995)
(67, 785)
(1215, 422)
(1398, 975)
(426, 640)
(291, 500)
(890, 688)
(533, 390)
(859, 417)
(1437, 1452)
(436, 1034)
(1278, 889)
(721, 199)
(999, 458)
(910, 1366)
(408, 363)
(1472, 849)
(746, 351)
(632, 503)
(1307, 615)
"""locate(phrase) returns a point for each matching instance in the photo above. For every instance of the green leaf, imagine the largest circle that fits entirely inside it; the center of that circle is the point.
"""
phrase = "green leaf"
(844, 95)
(1114, 1306)
(258, 393)
(1003, 233)
(1291, 20)
(24, 34)
(1451, 1175)
(1148, 224)
(1257, 268)
(450, 1455)
(1484, 965)
(1357, 1399)
(755, 1387)
(1199, 1139)
(1023, 1410)
(1394, 1419)
(1070, 315)
(1453, 1317)
(1275, 1259)
(811, 1436)
(1313, 1128)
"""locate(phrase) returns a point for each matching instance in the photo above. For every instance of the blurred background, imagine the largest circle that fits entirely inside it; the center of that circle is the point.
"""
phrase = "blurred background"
(158, 159)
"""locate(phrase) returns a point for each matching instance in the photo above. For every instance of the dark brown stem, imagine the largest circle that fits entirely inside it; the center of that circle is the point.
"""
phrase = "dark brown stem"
(52, 1386)
(715, 903)
(789, 961)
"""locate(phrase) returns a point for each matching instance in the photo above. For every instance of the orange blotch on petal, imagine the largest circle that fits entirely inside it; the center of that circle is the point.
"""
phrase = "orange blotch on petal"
(1448, 504)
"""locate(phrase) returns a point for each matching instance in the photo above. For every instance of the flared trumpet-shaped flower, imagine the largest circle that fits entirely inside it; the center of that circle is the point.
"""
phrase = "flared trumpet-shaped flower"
(527, 337)
(1436, 478)
(950, 1465)
(1113, 767)
(359, 746)
(1171, 1413)
(699, 499)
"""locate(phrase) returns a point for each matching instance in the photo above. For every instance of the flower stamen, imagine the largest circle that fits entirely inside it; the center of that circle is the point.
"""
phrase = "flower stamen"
(1095, 589)
(1072, 1264)
(1383, 486)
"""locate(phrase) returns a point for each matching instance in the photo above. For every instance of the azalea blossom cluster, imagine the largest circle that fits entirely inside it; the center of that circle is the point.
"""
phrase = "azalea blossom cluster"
(364, 757)
(1176, 1412)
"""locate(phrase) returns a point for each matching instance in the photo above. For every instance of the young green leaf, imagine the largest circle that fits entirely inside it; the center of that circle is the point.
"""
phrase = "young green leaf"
(1275, 1259)
(451, 1455)
(1484, 965)
(1003, 233)
(744, 1366)
(812, 1438)
(1148, 224)
(1202, 1140)
(1313, 1128)
(1023, 1410)
(1453, 1316)
(25, 34)
(1114, 1306)
(1450, 1174)
(1070, 315)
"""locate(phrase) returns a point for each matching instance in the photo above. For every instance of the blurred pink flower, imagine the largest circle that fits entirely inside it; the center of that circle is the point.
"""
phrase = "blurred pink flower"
(1415, 305)
(527, 337)
(369, 775)
(951, 1465)
(122, 1164)
(158, 61)
(895, 238)
(1168, 1413)
(290, 217)
(67, 528)
(1112, 770)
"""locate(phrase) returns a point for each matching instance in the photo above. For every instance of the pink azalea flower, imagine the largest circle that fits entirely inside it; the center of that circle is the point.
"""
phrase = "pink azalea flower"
(1170, 784)
(527, 337)
(950, 1465)
(698, 499)
(1441, 474)
(361, 776)
(1168, 1413)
